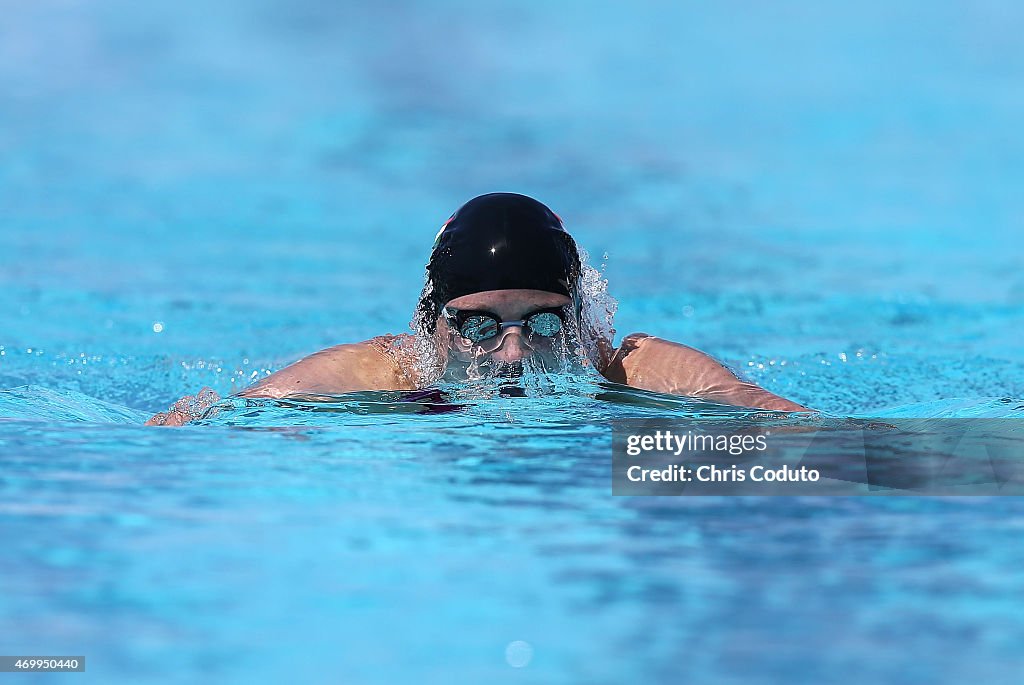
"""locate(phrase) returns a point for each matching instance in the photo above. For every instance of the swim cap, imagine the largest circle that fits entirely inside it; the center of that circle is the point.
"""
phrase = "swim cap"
(498, 241)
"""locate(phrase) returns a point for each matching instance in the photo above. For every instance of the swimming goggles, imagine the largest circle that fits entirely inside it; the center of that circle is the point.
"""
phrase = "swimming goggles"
(479, 326)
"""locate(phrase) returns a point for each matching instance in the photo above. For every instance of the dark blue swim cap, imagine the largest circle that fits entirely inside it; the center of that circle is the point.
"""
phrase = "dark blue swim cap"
(499, 241)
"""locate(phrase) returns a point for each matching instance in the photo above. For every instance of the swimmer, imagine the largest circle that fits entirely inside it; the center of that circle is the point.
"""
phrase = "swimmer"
(503, 293)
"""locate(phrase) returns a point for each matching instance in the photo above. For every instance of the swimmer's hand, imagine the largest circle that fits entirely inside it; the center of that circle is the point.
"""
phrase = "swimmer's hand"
(188, 408)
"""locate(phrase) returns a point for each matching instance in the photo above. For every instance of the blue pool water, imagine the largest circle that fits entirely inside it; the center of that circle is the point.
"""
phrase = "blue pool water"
(828, 199)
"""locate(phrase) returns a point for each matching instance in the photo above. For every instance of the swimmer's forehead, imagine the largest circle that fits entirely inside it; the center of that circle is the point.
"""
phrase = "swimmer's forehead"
(511, 303)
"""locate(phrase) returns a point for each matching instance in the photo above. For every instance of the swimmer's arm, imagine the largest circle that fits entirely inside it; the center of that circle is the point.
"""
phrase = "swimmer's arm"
(336, 370)
(658, 365)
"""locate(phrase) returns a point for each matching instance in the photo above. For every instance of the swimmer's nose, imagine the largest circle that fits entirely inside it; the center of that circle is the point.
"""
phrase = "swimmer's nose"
(513, 347)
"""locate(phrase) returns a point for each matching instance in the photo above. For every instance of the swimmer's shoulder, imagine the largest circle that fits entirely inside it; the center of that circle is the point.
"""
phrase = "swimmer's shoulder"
(651, 363)
(624, 360)
(350, 367)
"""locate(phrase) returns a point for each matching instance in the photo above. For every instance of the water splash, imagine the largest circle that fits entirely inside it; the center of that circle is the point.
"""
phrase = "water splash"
(597, 312)
(417, 354)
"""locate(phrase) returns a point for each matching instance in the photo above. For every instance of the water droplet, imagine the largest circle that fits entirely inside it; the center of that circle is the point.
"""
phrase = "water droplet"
(518, 654)
(158, 326)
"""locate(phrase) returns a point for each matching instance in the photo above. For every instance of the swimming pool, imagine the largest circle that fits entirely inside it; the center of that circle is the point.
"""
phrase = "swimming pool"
(827, 199)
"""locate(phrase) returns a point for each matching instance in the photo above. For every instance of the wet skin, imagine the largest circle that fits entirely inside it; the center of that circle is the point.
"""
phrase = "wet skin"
(642, 361)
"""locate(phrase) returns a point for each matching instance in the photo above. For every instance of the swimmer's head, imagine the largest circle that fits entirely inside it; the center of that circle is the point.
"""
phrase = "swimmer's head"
(498, 242)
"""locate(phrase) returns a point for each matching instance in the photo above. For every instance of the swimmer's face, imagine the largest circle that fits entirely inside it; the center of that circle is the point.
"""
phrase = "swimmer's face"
(512, 343)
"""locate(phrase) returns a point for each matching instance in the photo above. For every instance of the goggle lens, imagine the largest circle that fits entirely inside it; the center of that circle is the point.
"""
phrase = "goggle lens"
(546, 324)
(479, 328)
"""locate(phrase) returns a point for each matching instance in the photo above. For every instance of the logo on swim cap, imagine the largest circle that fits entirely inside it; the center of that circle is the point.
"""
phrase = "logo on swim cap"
(443, 226)
(498, 241)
